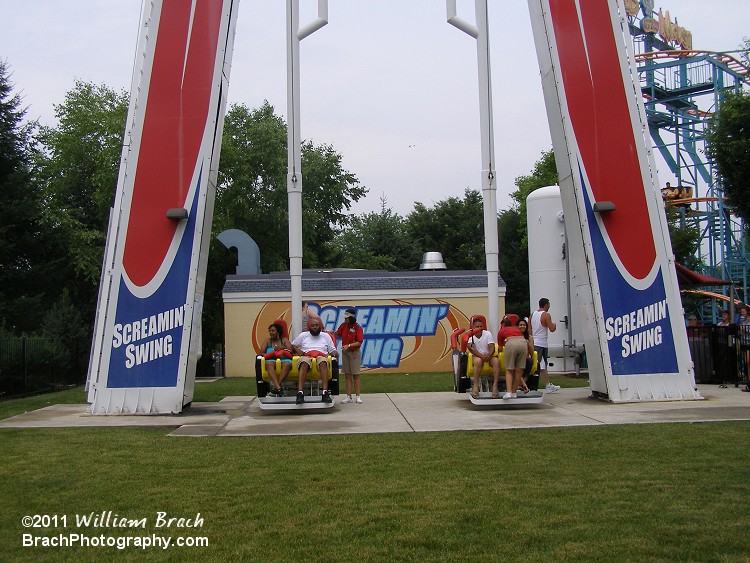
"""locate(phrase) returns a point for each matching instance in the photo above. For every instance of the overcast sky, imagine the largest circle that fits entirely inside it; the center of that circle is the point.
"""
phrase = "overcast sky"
(388, 83)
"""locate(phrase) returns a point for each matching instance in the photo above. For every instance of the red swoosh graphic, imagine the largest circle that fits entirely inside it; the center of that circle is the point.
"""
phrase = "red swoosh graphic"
(174, 122)
(600, 117)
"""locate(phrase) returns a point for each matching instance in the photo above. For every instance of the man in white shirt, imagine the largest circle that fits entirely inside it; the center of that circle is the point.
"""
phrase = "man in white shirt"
(317, 344)
(541, 325)
(482, 347)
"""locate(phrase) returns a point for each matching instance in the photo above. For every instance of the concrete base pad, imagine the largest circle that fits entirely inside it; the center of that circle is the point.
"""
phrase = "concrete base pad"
(403, 412)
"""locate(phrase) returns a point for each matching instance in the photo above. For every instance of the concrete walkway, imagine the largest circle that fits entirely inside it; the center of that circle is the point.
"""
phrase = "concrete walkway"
(402, 412)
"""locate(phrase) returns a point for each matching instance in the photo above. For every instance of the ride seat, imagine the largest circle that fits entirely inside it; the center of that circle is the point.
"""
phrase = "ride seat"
(487, 369)
(282, 323)
(263, 380)
(313, 373)
(513, 318)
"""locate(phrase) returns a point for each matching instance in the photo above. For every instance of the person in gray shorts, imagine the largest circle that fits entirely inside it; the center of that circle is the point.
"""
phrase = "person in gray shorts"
(515, 348)
(352, 335)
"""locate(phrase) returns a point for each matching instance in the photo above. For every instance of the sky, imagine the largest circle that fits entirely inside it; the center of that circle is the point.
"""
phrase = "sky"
(388, 83)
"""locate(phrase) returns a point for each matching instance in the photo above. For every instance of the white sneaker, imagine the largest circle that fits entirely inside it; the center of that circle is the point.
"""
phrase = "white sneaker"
(359, 400)
(509, 396)
(347, 400)
(552, 388)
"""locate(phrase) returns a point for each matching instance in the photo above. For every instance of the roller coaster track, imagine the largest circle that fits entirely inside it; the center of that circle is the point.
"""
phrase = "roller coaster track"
(688, 201)
(727, 60)
(710, 294)
(721, 233)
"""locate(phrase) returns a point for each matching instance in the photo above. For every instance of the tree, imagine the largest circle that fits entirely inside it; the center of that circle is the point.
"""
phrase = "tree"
(543, 174)
(513, 262)
(684, 237)
(64, 320)
(252, 196)
(25, 247)
(513, 232)
(744, 49)
(327, 194)
(377, 241)
(78, 170)
(728, 144)
(454, 227)
(252, 192)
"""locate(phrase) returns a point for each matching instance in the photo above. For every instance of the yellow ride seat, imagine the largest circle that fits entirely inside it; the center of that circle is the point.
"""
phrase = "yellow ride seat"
(313, 373)
(487, 370)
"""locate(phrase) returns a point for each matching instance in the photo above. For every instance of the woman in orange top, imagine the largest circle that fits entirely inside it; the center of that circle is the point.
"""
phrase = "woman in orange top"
(276, 347)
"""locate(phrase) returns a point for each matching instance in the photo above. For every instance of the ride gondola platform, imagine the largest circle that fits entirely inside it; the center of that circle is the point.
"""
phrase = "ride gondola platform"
(289, 404)
(522, 399)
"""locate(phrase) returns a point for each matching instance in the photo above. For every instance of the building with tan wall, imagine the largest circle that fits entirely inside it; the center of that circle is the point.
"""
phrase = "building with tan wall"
(408, 317)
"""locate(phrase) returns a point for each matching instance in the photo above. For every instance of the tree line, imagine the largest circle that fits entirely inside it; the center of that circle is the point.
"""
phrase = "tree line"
(57, 185)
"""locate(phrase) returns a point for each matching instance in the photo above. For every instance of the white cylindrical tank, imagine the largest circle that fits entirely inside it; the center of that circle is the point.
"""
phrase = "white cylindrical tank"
(549, 274)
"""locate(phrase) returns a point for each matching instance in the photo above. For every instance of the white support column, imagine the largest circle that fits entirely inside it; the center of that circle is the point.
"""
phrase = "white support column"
(480, 32)
(294, 151)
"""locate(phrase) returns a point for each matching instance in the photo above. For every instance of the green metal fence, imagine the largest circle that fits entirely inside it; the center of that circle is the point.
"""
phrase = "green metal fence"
(31, 365)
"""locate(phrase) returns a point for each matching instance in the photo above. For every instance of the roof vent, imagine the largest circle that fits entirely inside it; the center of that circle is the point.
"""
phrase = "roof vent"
(432, 261)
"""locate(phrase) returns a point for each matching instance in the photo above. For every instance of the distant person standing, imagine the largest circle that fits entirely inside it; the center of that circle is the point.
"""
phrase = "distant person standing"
(724, 346)
(541, 326)
(352, 335)
(305, 314)
(741, 315)
(744, 330)
(724, 319)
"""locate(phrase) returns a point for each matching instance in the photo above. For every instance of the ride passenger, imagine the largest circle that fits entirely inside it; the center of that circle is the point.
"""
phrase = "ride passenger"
(482, 347)
(670, 192)
(523, 326)
(694, 328)
(515, 349)
(313, 344)
(277, 346)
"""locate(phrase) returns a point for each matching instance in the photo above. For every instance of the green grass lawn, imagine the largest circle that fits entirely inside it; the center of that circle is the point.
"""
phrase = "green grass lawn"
(656, 492)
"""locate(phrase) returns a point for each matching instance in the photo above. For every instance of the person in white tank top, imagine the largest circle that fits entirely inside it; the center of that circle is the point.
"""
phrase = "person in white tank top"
(538, 331)
(541, 326)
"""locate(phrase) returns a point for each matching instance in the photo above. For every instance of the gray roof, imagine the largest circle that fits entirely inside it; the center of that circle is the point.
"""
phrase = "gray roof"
(348, 280)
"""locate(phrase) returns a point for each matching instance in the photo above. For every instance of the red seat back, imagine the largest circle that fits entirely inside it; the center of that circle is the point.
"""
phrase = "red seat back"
(478, 318)
(332, 335)
(282, 323)
(513, 318)
(312, 318)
